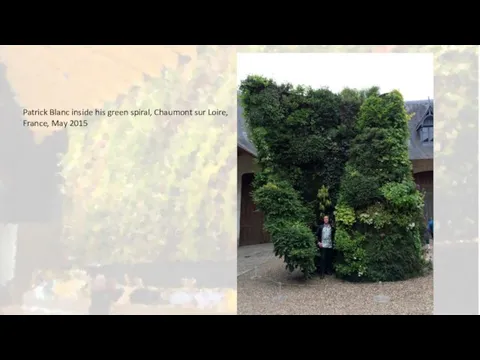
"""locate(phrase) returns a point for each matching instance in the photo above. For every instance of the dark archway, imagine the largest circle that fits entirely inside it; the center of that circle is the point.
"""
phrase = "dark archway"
(251, 219)
(425, 181)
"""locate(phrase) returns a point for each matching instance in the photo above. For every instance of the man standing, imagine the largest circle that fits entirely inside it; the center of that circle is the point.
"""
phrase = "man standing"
(325, 243)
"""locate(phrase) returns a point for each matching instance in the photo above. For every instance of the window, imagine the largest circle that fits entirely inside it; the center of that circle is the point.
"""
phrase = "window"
(425, 127)
(428, 121)
(426, 134)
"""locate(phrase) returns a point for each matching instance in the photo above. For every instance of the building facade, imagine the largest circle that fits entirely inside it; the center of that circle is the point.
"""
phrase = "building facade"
(421, 148)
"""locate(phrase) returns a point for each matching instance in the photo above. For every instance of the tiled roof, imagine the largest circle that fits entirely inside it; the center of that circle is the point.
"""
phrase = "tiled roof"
(243, 140)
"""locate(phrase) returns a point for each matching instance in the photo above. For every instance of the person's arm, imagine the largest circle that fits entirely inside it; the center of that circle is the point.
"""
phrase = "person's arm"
(333, 237)
(318, 234)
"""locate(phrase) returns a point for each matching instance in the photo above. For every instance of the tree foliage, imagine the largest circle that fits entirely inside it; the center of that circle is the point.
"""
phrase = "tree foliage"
(302, 136)
(379, 211)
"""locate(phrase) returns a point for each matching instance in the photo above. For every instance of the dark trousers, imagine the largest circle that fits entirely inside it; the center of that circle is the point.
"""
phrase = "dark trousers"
(326, 264)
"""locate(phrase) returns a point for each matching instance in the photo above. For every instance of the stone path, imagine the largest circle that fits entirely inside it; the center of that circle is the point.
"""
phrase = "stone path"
(249, 257)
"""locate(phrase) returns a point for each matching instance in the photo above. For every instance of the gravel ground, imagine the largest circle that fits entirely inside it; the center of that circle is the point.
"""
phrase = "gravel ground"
(250, 256)
(272, 290)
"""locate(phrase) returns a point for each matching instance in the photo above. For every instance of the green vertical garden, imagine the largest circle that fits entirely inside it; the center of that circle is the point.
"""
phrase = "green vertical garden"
(379, 210)
(343, 155)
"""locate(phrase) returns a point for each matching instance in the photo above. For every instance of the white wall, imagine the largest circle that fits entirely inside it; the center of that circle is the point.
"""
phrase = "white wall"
(245, 164)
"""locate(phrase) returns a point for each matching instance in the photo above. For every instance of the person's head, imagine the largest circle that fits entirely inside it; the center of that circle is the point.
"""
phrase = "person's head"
(326, 220)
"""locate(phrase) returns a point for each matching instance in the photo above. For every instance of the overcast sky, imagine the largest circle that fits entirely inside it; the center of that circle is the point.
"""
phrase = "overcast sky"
(411, 74)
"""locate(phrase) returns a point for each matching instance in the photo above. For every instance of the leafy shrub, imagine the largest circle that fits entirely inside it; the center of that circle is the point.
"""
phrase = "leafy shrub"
(324, 202)
(375, 215)
(393, 256)
(295, 242)
(403, 196)
(280, 200)
(379, 213)
(359, 190)
(287, 220)
(344, 215)
(354, 255)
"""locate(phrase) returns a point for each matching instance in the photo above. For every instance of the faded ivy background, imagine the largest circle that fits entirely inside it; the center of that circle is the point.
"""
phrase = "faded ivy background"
(148, 187)
(140, 188)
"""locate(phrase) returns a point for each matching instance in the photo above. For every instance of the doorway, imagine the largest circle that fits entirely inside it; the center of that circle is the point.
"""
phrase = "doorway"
(251, 219)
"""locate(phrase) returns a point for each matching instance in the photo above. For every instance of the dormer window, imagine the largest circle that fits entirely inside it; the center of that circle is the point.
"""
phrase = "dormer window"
(426, 131)
(425, 127)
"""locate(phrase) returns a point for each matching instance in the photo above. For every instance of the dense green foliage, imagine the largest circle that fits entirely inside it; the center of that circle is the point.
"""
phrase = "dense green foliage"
(325, 205)
(287, 222)
(302, 137)
(379, 210)
(454, 65)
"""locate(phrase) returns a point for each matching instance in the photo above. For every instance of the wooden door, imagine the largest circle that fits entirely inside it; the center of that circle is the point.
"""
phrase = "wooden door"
(251, 220)
(425, 181)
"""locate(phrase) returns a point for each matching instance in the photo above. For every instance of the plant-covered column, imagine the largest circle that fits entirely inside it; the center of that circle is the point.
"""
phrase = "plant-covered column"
(379, 211)
(302, 137)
